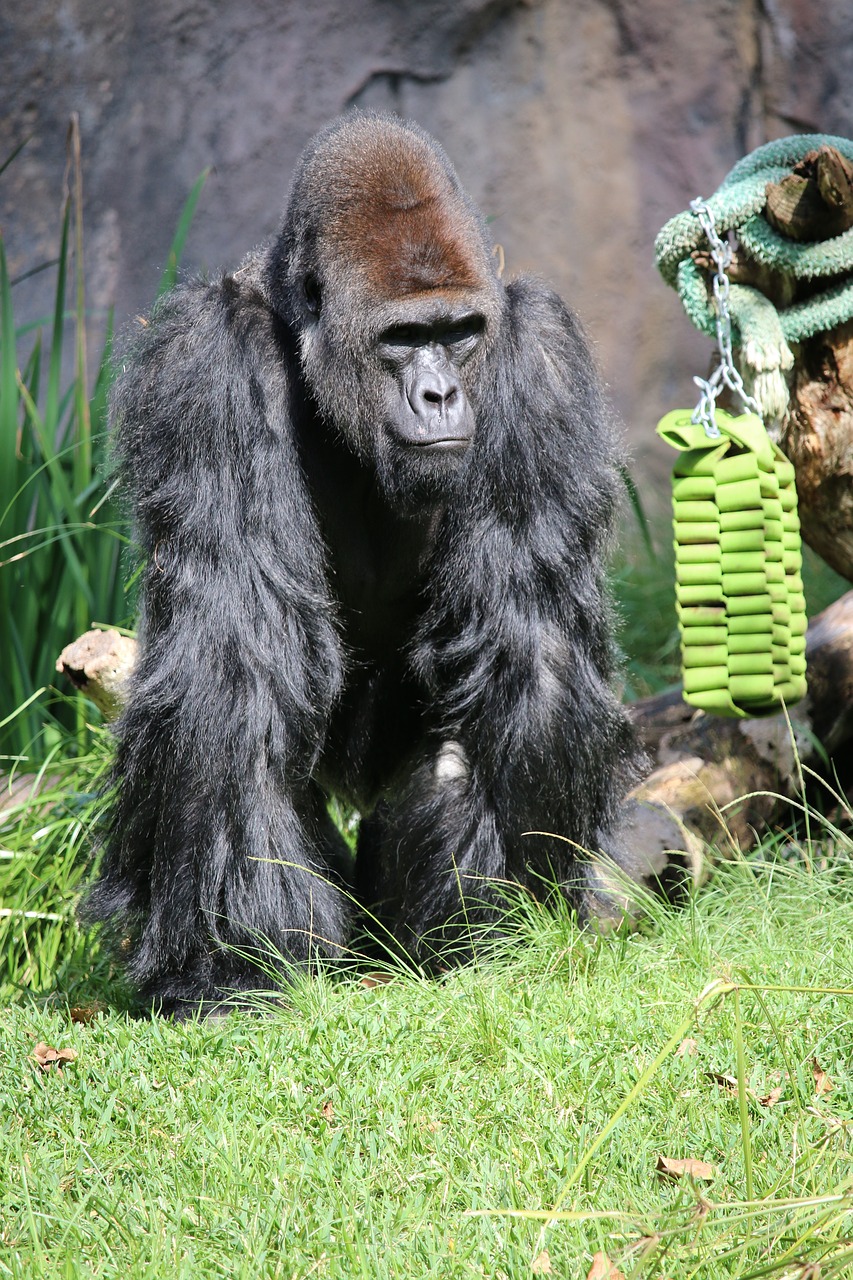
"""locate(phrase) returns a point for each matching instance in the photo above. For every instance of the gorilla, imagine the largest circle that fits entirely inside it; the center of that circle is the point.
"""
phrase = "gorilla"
(374, 488)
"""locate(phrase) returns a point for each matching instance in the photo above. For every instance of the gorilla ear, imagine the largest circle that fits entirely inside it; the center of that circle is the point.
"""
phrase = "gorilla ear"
(313, 295)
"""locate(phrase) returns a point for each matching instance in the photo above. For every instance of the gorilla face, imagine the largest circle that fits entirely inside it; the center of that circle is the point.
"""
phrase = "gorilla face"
(392, 291)
(427, 407)
(402, 399)
(428, 422)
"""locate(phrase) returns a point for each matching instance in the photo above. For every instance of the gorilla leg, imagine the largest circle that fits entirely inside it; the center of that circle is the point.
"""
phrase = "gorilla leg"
(228, 921)
(431, 860)
(435, 862)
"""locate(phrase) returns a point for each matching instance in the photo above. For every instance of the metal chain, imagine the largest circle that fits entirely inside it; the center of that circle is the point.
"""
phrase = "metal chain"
(726, 373)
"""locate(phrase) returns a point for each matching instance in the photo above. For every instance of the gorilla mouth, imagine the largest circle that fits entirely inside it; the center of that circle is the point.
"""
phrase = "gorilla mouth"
(445, 444)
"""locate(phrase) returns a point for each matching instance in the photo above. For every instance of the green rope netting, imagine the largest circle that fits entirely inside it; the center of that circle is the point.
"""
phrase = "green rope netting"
(762, 331)
(737, 206)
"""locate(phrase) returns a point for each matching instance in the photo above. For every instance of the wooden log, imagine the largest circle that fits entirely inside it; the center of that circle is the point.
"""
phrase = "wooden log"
(99, 663)
(815, 200)
(725, 782)
(20, 791)
(818, 438)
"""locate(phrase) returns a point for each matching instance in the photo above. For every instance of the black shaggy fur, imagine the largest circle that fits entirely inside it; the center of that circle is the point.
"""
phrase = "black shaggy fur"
(328, 612)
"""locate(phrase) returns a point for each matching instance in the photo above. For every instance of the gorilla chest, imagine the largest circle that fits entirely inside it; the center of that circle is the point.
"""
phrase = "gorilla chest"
(376, 563)
(378, 585)
(377, 560)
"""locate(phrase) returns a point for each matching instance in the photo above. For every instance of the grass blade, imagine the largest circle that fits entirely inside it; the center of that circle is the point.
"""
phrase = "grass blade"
(170, 271)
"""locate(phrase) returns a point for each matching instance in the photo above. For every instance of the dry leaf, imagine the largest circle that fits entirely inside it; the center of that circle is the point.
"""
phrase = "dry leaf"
(770, 1099)
(541, 1265)
(86, 1013)
(47, 1057)
(687, 1048)
(328, 1111)
(603, 1269)
(376, 979)
(729, 1083)
(698, 1169)
(822, 1082)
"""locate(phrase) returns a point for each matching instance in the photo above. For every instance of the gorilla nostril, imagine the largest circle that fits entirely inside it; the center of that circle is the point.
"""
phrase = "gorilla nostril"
(441, 399)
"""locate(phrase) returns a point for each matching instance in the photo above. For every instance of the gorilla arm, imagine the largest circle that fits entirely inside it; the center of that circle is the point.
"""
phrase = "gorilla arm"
(515, 647)
(532, 654)
(239, 662)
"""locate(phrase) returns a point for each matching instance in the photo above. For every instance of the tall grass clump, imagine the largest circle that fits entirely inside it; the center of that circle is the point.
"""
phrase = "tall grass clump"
(47, 820)
(60, 534)
(61, 571)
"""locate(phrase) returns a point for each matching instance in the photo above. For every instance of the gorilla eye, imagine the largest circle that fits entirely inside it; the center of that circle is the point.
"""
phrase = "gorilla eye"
(405, 335)
(463, 331)
(311, 289)
(451, 333)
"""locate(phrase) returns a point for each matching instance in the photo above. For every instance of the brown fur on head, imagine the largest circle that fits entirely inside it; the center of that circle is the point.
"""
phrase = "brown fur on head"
(377, 214)
(379, 236)
(402, 218)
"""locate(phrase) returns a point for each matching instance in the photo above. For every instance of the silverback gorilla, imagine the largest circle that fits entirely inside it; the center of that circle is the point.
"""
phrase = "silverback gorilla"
(374, 487)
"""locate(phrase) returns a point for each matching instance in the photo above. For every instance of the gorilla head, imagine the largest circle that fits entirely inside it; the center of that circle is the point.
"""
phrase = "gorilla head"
(373, 486)
(384, 268)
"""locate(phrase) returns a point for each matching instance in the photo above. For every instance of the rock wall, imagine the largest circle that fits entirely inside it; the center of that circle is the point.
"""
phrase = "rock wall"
(579, 125)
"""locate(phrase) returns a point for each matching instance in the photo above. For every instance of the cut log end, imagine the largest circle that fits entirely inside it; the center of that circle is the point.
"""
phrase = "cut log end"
(815, 200)
(99, 663)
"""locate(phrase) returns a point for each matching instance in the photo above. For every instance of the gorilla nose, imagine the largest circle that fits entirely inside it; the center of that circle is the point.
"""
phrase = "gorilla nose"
(439, 394)
(440, 413)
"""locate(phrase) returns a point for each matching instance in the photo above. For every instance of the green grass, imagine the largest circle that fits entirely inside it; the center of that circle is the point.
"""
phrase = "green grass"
(450, 1127)
(46, 840)
(62, 536)
(503, 1121)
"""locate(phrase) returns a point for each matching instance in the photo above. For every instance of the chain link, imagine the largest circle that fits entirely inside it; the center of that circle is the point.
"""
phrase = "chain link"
(726, 374)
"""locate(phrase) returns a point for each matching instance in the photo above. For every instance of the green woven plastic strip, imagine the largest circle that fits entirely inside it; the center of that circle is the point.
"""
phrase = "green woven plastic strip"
(739, 589)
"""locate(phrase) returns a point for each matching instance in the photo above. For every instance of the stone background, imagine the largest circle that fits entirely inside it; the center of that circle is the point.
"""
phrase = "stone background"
(580, 126)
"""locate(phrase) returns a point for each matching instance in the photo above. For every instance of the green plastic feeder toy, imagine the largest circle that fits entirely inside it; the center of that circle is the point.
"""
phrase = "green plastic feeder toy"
(739, 590)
